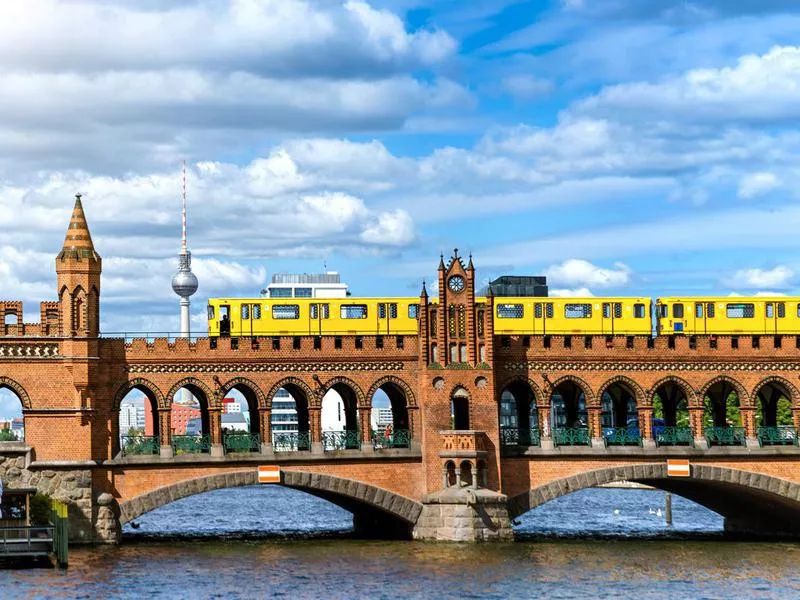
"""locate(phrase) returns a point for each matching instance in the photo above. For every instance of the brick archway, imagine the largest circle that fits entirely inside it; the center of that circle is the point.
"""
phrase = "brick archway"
(688, 391)
(411, 400)
(249, 385)
(789, 387)
(539, 398)
(588, 394)
(741, 392)
(12, 385)
(336, 489)
(336, 381)
(211, 399)
(142, 384)
(310, 396)
(634, 387)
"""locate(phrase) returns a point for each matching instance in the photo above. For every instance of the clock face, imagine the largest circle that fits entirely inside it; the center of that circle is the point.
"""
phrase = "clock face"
(456, 283)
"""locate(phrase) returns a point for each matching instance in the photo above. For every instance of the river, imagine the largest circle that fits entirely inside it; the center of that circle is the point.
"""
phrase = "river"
(249, 543)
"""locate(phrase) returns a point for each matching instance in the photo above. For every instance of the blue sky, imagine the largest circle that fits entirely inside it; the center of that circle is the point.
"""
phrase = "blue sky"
(621, 147)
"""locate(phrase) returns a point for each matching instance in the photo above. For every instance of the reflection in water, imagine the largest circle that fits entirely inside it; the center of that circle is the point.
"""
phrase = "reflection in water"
(345, 568)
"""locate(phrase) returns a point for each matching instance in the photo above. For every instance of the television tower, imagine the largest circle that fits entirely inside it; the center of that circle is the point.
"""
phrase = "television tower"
(184, 282)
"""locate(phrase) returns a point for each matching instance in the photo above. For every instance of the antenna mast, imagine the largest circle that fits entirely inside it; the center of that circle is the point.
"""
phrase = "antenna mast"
(183, 211)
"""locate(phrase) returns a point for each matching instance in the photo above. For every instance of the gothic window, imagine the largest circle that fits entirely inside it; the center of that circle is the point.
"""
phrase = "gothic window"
(462, 321)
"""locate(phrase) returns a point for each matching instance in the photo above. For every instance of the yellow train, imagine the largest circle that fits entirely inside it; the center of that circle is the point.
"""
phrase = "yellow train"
(728, 315)
(398, 316)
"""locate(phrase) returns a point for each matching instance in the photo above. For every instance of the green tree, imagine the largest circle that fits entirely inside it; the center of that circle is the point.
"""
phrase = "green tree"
(6, 435)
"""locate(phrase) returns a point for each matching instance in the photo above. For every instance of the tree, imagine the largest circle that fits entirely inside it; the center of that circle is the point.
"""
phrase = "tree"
(6, 435)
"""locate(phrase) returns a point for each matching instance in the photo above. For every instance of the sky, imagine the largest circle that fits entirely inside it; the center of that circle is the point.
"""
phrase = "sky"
(619, 147)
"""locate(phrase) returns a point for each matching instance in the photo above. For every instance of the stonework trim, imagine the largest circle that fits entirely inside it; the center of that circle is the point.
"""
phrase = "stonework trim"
(12, 385)
(141, 384)
(399, 506)
(526, 501)
(411, 400)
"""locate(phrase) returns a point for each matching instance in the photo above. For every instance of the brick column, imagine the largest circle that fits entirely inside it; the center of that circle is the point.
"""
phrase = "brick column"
(646, 422)
(595, 428)
(488, 328)
(215, 431)
(315, 427)
(749, 424)
(265, 427)
(544, 421)
(165, 433)
(696, 421)
(364, 414)
(796, 418)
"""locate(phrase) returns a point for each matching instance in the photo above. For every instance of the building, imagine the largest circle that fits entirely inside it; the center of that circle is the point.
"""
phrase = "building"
(132, 416)
(234, 421)
(380, 418)
(194, 426)
(231, 405)
(333, 417)
(18, 427)
(306, 285)
(284, 413)
(517, 285)
(181, 415)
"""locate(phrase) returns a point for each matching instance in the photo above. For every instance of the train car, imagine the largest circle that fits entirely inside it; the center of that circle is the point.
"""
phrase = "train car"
(728, 315)
(573, 316)
(312, 316)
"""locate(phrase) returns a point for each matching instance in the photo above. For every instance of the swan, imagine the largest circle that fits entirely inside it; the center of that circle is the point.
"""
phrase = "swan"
(658, 514)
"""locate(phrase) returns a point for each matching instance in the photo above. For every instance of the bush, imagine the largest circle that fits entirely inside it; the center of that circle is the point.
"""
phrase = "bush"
(40, 509)
(6, 435)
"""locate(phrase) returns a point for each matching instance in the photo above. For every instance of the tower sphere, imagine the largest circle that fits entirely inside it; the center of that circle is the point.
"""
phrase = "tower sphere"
(184, 283)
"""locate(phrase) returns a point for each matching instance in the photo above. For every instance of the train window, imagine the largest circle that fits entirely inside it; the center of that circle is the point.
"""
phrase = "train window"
(509, 311)
(740, 311)
(393, 310)
(617, 310)
(677, 311)
(381, 310)
(770, 310)
(798, 310)
(413, 311)
(326, 313)
(548, 310)
(663, 311)
(698, 310)
(537, 310)
(286, 311)
(354, 311)
(781, 310)
(606, 310)
(245, 311)
(578, 311)
(638, 311)
(710, 310)
(313, 311)
(256, 311)
(210, 313)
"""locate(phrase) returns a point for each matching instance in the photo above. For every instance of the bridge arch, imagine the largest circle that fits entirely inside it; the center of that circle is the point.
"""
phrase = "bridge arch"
(741, 392)
(688, 390)
(749, 501)
(8, 383)
(371, 506)
(247, 387)
(621, 380)
(147, 387)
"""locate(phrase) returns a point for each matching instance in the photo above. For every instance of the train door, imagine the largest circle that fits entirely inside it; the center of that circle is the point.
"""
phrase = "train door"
(387, 312)
(225, 320)
(317, 313)
(611, 312)
(678, 320)
(772, 312)
(542, 312)
(700, 316)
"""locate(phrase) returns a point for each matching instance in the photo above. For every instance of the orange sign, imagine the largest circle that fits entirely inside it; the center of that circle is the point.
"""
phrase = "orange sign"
(269, 474)
(678, 467)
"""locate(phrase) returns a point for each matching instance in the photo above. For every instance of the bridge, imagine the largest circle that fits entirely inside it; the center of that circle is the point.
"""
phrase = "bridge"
(486, 426)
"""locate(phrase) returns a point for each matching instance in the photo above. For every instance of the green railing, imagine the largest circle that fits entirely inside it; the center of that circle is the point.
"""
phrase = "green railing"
(340, 440)
(674, 436)
(782, 435)
(242, 442)
(725, 436)
(291, 441)
(514, 436)
(571, 436)
(399, 438)
(191, 444)
(139, 444)
(622, 436)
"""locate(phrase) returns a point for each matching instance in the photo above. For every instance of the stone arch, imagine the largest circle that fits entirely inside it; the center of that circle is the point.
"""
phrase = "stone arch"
(741, 392)
(688, 390)
(411, 400)
(748, 500)
(212, 399)
(250, 385)
(347, 493)
(639, 395)
(331, 383)
(538, 396)
(311, 396)
(24, 399)
(140, 382)
(794, 393)
(585, 388)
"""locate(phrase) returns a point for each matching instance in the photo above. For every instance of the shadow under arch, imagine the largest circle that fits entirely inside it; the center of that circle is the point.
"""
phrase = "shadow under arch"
(750, 502)
(376, 512)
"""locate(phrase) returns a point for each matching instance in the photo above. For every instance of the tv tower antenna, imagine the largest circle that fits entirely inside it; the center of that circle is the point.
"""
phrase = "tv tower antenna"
(184, 282)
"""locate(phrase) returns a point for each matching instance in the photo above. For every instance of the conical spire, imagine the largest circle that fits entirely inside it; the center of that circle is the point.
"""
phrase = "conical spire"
(78, 241)
(470, 266)
(424, 292)
(441, 262)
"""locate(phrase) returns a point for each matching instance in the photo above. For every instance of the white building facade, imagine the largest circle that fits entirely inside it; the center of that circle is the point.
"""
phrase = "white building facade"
(306, 285)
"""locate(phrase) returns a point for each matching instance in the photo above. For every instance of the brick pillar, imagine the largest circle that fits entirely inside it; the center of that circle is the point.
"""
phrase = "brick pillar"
(646, 422)
(696, 421)
(595, 428)
(749, 424)
(414, 429)
(215, 431)
(315, 427)
(472, 348)
(165, 432)
(364, 414)
(796, 418)
(265, 427)
(544, 421)
(488, 329)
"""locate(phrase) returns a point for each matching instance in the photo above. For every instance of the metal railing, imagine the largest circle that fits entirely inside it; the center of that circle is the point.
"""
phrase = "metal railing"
(150, 336)
(340, 440)
(673, 436)
(514, 436)
(191, 444)
(781, 435)
(622, 436)
(571, 436)
(291, 441)
(139, 444)
(725, 436)
(399, 438)
(24, 540)
(241, 442)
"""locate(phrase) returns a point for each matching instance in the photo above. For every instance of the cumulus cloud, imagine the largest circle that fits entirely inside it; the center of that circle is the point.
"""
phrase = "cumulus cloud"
(776, 278)
(582, 292)
(757, 184)
(576, 272)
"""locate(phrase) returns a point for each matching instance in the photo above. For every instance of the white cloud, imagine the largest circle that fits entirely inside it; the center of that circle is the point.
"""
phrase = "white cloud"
(757, 184)
(527, 86)
(575, 272)
(582, 292)
(778, 277)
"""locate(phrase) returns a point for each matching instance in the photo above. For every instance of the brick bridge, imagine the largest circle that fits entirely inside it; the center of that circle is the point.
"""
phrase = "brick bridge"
(577, 412)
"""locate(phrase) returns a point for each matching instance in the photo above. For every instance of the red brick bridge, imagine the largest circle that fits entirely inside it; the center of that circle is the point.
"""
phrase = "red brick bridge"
(486, 426)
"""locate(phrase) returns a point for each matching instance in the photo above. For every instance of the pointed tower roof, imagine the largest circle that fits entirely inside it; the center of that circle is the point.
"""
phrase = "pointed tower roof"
(424, 292)
(470, 266)
(78, 241)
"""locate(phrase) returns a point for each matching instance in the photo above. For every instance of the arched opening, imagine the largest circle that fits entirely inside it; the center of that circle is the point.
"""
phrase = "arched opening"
(10, 318)
(450, 476)
(241, 426)
(519, 420)
(138, 420)
(467, 475)
(339, 418)
(775, 426)
(290, 425)
(459, 410)
(389, 417)
(569, 415)
(671, 424)
(12, 420)
(722, 419)
(196, 437)
(619, 415)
